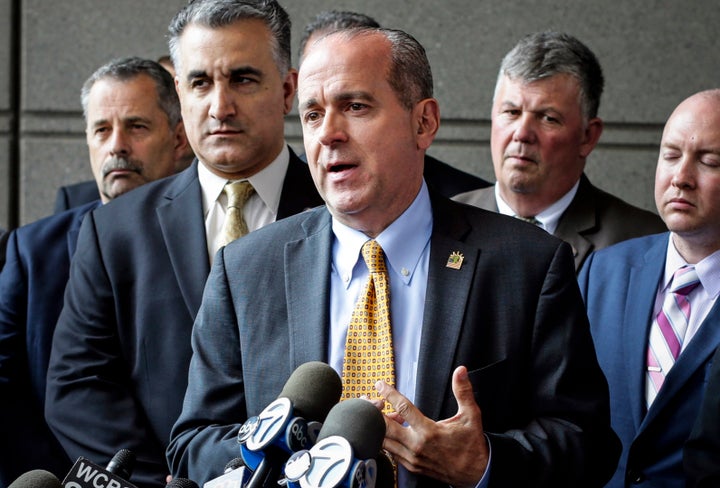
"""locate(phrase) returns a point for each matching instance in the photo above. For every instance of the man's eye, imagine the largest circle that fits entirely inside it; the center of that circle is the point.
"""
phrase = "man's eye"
(311, 116)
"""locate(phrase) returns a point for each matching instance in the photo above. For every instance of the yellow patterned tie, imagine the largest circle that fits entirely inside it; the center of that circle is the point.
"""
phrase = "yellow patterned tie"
(368, 347)
(234, 226)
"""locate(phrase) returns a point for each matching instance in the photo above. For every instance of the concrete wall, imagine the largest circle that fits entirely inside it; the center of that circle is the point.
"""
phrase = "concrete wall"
(653, 53)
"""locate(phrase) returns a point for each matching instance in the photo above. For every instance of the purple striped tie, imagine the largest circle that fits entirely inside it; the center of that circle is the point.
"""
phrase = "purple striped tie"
(668, 330)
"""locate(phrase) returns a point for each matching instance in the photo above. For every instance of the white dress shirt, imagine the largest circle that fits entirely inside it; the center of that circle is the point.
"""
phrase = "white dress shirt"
(550, 217)
(260, 209)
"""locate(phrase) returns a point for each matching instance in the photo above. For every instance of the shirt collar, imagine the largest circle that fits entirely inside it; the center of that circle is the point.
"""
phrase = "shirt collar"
(267, 182)
(708, 269)
(403, 241)
(549, 217)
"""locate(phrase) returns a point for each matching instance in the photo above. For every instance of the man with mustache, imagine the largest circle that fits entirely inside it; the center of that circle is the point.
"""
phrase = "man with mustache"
(134, 135)
(137, 279)
(544, 126)
(652, 305)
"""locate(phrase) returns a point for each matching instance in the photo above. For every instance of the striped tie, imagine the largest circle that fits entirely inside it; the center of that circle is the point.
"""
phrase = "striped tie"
(668, 330)
(368, 347)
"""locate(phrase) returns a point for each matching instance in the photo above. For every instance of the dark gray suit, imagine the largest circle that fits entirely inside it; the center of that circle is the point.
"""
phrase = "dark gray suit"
(594, 220)
(512, 314)
(121, 348)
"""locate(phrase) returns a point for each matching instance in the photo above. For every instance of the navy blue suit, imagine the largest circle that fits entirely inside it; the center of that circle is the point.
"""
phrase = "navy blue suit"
(74, 195)
(32, 284)
(619, 285)
(135, 286)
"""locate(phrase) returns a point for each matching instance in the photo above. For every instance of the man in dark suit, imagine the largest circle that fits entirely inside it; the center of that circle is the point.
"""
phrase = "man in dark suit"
(119, 98)
(544, 126)
(137, 278)
(478, 340)
(655, 343)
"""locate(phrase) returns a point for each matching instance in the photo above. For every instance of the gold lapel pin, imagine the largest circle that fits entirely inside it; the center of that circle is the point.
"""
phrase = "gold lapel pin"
(455, 260)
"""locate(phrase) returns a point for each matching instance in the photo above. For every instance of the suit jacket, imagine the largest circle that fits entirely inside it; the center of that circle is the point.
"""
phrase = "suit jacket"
(512, 314)
(3, 246)
(448, 180)
(70, 196)
(701, 456)
(31, 296)
(135, 287)
(593, 220)
(619, 285)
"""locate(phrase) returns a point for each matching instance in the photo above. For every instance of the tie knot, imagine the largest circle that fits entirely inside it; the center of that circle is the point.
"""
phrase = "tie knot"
(238, 193)
(374, 256)
(529, 220)
(684, 280)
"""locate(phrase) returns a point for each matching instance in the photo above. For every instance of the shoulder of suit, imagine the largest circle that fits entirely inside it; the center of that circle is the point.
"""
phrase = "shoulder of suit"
(482, 198)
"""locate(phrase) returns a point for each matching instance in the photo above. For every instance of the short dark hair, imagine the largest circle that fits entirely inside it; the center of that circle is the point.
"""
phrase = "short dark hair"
(221, 13)
(333, 20)
(409, 73)
(544, 54)
(125, 69)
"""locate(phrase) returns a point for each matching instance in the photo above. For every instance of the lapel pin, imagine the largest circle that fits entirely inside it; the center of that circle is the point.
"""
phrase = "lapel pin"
(455, 260)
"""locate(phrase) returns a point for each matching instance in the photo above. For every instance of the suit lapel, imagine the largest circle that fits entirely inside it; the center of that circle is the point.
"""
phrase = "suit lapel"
(183, 229)
(641, 291)
(298, 192)
(447, 294)
(577, 218)
(74, 231)
(308, 261)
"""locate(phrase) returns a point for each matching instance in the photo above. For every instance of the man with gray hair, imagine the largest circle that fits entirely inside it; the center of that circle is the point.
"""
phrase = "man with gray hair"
(135, 135)
(544, 126)
(137, 279)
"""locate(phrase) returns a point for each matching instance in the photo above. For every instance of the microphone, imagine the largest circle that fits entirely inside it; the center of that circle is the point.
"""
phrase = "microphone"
(235, 475)
(37, 478)
(346, 451)
(288, 424)
(181, 483)
(86, 474)
(122, 463)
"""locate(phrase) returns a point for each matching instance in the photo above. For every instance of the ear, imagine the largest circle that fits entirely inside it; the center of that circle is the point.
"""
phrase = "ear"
(181, 146)
(592, 134)
(427, 121)
(289, 89)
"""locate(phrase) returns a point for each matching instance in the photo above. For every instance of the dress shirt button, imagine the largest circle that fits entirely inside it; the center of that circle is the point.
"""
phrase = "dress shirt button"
(346, 278)
(405, 271)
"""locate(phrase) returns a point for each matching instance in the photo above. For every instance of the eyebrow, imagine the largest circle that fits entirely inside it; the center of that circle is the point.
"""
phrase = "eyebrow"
(341, 97)
(125, 120)
(241, 71)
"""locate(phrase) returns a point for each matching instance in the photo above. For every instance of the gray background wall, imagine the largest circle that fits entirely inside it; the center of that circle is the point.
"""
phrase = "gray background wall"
(653, 53)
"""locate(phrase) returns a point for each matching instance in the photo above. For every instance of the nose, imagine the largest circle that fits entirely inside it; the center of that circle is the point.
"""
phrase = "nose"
(120, 143)
(222, 106)
(524, 129)
(332, 130)
(684, 173)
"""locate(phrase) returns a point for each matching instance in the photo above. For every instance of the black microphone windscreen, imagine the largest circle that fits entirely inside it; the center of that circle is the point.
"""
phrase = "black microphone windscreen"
(37, 478)
(122, 463)
(313, 388)
(360, 423)
(234, 464)
(181, 483)
(385, 471)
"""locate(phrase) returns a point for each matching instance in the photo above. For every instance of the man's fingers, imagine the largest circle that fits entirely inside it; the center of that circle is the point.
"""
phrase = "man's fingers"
(400, 403)
(463, 390)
